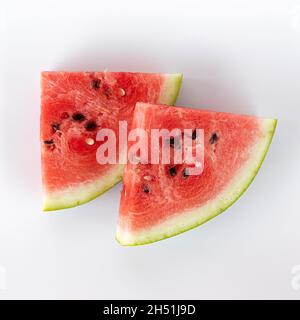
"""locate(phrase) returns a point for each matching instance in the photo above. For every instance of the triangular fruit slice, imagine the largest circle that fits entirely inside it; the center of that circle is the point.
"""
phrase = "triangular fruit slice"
(159, 200)
(74, 106)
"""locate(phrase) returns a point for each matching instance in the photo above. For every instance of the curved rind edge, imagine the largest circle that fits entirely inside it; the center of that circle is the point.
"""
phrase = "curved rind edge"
(86, 192)
(198, 216)
(170, 89)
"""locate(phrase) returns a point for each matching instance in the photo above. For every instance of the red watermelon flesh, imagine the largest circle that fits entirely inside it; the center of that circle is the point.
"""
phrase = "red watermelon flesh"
(159, 200)
(74, 106)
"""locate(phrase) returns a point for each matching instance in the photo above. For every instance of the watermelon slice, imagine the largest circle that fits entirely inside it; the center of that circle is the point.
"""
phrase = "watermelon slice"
(159, 200)
(74, 105)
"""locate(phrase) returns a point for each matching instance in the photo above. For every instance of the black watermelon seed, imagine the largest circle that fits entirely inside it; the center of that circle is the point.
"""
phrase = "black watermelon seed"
(55, 126)
(172, 141)
(49, 141)
(172, 171)
(214, 138)
(78, 116)
(145, 188)
(90, 125)
(194, 135)
(95, 84)
(185, 173)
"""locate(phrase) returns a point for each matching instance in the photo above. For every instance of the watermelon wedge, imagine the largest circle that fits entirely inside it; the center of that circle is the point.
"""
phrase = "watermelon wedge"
(160, 200)
(74, 105)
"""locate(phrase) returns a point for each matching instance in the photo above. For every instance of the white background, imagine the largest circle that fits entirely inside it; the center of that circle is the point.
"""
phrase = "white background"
(236, 56)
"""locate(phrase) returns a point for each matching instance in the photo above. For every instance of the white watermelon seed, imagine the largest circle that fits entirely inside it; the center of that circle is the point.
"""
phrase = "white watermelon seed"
(90, 141)
(122, 92)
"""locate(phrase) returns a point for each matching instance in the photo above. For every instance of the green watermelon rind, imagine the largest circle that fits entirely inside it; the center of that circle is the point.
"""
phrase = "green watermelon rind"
(86, 192)
(75, 196)
(170, 89)
(231, 194)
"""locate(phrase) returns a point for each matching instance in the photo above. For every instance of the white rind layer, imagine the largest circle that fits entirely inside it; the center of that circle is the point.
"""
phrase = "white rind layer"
(194, 217)
(74, 196)
(170, 89)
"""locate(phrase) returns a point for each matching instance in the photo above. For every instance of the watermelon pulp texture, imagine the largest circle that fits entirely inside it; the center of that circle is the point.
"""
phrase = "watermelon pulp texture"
(159, 201)
(74, 106)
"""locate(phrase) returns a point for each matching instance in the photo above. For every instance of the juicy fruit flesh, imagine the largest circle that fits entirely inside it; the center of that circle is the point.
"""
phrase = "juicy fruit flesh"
(74, 105)
(229, 142)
